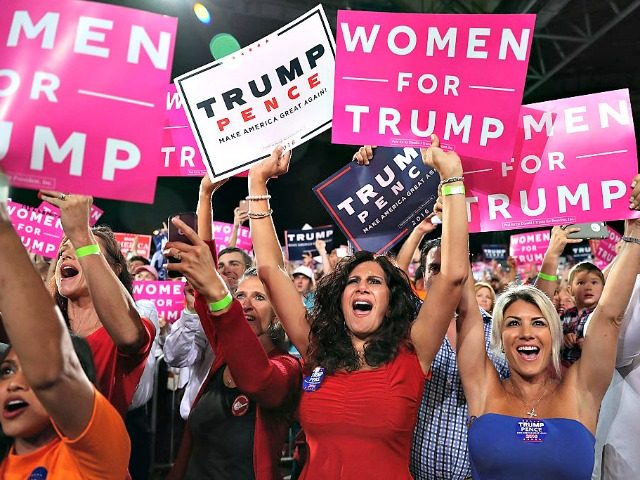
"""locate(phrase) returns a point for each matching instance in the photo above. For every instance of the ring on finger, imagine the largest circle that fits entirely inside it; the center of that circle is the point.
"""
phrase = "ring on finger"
(62, 196)
(178, 256)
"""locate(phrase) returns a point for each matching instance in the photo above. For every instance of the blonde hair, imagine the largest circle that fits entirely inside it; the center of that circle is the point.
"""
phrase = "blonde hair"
(532, 295)
(492, 292)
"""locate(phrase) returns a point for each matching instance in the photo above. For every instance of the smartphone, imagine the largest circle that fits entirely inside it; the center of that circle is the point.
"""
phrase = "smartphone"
(176, 235)
(589, 230)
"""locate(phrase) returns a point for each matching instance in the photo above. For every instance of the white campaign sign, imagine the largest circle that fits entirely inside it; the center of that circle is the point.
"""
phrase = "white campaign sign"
(279, 90)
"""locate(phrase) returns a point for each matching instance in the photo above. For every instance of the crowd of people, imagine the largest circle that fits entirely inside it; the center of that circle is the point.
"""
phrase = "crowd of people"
(383, 372)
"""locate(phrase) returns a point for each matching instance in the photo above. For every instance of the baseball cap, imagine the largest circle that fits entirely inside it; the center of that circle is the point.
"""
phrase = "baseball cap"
(304, 270)
(148, 268)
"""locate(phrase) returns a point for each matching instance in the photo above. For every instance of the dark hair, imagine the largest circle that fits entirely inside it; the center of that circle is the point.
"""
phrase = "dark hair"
(114, 257)
(245, 256)
(330, 342)
(83, 351)
(139, 258)
(424, 251)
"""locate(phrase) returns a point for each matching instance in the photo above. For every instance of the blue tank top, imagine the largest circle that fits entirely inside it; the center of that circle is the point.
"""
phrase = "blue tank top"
(506, 448)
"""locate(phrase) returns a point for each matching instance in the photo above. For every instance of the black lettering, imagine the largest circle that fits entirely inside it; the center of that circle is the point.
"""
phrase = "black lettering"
(233, 96)
(206, 104)
(295, 70)
(314, 54)
(267, 86)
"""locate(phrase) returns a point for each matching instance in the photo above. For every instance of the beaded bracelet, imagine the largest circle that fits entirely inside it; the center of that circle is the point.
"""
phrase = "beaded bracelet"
(257, 197)
(631, 240)
(451, 180)
(453, 189)
(548, 278)
(92, 249)
(255, 215)
(221, 304)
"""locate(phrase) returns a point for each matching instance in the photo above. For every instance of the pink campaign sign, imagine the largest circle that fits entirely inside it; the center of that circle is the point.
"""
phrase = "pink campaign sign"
(180, 153)
(529, 248)
(85, 113)
(400, 77)
(573, 162)
(222, 234)
(167, 296)
(39, 230)
(604, 251)
(128, 240)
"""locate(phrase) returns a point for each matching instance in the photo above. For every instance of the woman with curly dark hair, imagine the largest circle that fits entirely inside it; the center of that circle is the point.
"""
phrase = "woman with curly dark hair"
(93, 290)
(366, 360)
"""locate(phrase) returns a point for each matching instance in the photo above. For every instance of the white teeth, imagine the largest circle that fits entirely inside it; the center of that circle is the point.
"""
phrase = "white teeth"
(528, 348)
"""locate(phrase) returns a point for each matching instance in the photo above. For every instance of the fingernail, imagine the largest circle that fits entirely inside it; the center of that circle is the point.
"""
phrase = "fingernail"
(165, 252)
(633, 184)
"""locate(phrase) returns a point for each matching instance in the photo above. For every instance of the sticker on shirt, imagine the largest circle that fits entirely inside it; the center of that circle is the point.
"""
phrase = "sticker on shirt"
(39, 473)
(240, 406)
(531, 430)
(312, 382)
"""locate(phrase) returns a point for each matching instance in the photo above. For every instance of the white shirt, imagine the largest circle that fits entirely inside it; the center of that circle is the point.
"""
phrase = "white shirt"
(187, 346)
(144, 390)
(618, 430)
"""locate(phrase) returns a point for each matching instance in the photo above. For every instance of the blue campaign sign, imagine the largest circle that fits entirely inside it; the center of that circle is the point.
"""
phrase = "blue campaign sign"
(495, 252)
(298, 242)
(377, 205)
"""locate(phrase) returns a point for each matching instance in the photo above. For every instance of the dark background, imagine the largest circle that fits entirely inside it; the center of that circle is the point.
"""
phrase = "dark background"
(579, 47)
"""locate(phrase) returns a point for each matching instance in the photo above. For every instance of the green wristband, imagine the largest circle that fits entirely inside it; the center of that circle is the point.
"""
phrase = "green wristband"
(453, 189)
(221, 304)
(93, 249)
(548, 278)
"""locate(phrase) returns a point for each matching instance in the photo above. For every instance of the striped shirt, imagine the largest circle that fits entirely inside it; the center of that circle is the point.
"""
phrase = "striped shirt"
(439, 449)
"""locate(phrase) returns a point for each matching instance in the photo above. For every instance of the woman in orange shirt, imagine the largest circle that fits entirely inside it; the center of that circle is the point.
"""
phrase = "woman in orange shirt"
(61, 427)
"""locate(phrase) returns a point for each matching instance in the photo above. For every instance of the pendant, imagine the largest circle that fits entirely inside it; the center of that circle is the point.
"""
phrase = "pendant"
(532, 413)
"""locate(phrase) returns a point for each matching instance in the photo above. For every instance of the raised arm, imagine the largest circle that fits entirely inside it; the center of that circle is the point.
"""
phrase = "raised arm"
(436, 312)
(205, 206)
(405, 255)
(268, 381)
(266, 248)
(40, 338)
(547, 280)
(478, 374)
(113, 304)
(594, 369)
(240, 215)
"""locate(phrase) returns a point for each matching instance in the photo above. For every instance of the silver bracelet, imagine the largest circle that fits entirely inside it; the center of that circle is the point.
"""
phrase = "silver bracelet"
(631, 240)
(451, 180)
(258, 197)
(255, 215)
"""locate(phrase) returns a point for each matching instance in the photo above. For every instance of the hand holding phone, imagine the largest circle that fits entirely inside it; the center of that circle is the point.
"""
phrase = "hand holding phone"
(589, 230)
(177, 235)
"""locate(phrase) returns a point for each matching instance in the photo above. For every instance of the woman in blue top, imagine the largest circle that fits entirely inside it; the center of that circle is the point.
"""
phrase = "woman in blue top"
(535, 424)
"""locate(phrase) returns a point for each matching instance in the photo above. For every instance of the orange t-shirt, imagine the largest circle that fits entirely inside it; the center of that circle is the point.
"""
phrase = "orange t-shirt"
(100, 452)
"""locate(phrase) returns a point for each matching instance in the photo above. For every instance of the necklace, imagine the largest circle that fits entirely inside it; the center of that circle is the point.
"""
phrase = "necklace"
(532, 411)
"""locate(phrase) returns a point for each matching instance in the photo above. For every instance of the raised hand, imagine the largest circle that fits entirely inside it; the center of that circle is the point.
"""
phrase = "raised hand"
(74, 213)
(447, 164)
(273, 166)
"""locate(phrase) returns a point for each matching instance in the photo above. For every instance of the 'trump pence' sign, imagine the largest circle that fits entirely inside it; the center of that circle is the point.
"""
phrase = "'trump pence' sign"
(278, 90)
(401, 77)
(81, 90)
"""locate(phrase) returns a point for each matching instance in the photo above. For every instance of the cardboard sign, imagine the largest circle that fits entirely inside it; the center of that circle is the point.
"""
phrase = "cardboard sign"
(402, 77)
(298, 242)
(573, 163)
(494, 252)
(376, 205)
(40, 231)
(72, 114)
(167, 296)
(222, 234)
(529, 248)
(127, 241)
(604, 251)
(279, 90)
(180, 153)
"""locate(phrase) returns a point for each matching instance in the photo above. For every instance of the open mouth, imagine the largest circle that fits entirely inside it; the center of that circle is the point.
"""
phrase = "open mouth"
(362, 306)
(14, 408)
(68, 271)
(528, 352)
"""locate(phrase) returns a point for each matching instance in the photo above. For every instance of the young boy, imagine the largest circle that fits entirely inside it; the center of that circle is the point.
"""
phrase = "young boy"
(586, 282)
